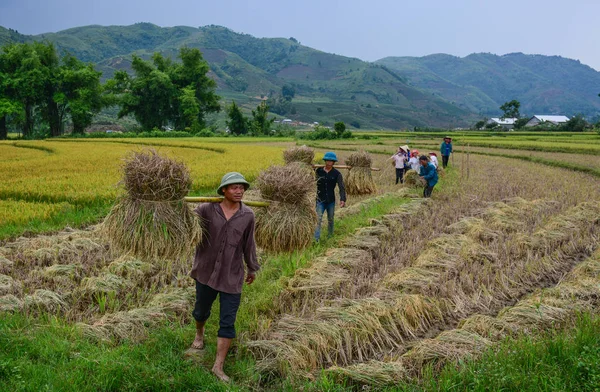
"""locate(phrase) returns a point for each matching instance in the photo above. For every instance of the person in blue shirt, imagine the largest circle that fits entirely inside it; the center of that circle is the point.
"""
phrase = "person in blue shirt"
(428, 172)
(446, 150)
(328, 178)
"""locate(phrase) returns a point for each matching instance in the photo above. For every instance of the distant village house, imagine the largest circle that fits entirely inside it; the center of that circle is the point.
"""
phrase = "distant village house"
(505, 123)
(547, 120)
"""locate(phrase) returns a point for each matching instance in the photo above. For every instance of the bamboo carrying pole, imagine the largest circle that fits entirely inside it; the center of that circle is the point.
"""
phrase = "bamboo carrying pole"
(193, 199)
(346, 167)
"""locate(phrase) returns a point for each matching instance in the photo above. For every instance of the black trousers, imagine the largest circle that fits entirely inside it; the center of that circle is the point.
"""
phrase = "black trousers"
(399, 175)
(427, 191)
(205, 296)
(445, 160)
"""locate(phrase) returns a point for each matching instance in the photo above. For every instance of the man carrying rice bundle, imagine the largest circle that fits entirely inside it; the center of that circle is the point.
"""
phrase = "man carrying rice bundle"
(429, 174)
(327, 179)
(218, 266)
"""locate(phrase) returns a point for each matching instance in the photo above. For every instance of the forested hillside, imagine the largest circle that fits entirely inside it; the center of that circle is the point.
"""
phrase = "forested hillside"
(395, 92)
(481, 82)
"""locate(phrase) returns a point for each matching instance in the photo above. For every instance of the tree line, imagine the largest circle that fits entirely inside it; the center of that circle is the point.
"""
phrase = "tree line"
(40, 91)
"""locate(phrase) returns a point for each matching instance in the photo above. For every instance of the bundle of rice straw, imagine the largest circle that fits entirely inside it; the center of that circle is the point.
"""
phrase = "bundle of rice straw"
(412, 178)
(153, 221)
(302, 154)
(359, 180)
(289, 222)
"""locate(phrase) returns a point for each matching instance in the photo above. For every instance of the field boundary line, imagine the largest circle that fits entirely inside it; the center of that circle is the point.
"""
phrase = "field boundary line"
(49, 150)
(172, 145)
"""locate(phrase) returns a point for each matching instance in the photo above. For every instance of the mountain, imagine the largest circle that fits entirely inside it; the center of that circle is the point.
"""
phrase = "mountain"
(327, 87)
(482, 82)
(395, 92)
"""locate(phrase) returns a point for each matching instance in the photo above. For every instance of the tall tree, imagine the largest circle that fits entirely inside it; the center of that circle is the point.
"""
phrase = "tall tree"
(190, 108)
(261, 123)
(24, 81)
(238, 123)
(339, 128)
(80, 92)
(162, 91)
(192, 73)
(511, 109)
(51, 113)
(148, 95)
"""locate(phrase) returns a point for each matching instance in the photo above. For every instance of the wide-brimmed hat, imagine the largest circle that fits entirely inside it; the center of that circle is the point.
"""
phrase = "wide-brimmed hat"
(330, 156)
(405, 148)
(232, 178)
(447, 137)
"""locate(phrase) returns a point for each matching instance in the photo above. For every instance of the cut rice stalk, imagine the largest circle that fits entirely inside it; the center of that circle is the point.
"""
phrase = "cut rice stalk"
(153, 222)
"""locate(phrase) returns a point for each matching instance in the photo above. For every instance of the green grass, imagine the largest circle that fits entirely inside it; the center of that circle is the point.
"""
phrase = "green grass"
(557, 360)
(73, 216)
(47, 355)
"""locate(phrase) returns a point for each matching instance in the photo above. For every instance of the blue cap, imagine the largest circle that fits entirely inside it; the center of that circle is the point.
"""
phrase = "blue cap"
(330, 156)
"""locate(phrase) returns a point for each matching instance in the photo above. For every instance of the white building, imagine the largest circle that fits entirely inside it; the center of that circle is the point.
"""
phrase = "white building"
(549, 120)
(506, 123)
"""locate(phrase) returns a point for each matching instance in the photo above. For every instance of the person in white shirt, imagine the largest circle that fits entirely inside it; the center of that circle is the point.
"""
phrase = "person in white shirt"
(433, 159)
(399, 158)
(414, 161)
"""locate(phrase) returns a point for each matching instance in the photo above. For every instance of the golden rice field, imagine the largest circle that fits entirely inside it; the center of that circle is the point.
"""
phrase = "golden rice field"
(41, 176)
(406, 288)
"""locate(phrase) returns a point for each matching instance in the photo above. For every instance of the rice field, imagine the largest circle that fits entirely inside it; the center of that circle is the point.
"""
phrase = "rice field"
(407, 288)
(44, 175)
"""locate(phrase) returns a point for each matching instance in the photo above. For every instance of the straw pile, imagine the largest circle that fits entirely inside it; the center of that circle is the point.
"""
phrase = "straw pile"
(289, 222)
(133, 324)
(7, 285)
(45, 300)
(10, 303)
(412, 179)
(344, 332)
(153, 221)
(5, 264)
(359, 180)
(301, 154)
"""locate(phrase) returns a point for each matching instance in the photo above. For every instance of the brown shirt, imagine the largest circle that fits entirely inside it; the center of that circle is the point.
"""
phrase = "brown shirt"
(218, 262)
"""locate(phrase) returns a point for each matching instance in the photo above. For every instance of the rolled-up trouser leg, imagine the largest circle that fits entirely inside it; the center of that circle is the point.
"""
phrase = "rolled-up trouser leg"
(205, 296)
(229, 305)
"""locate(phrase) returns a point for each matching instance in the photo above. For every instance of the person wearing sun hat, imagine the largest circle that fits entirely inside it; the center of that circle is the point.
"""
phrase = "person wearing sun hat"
(328, 178)
(400, 159)
(218, 268)
(446, 150)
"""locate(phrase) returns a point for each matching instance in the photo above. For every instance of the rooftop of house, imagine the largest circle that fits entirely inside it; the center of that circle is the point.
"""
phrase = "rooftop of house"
(551, 118)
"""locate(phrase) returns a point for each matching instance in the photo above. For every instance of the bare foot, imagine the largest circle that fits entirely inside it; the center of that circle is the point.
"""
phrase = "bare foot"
(198, 341)
(220, 374)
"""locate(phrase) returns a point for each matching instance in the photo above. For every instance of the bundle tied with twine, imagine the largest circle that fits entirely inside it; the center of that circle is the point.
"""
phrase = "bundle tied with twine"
(289, 222)
(360, 180)
(303, 154)
(152, 221)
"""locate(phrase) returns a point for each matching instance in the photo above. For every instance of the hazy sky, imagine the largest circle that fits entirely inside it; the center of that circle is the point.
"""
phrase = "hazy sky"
(365, 29)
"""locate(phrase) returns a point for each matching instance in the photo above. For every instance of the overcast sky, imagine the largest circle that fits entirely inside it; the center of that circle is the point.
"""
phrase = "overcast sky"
(368, 30)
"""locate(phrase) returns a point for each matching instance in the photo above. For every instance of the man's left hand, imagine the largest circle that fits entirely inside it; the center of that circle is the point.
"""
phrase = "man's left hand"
(342, 204)
(250, 278)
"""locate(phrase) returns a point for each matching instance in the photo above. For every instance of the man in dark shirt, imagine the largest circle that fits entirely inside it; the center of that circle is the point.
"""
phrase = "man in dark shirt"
(218, 265)
(327, 179)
